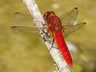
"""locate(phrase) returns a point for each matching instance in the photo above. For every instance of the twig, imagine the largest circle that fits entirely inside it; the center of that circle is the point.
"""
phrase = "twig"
(39, 21)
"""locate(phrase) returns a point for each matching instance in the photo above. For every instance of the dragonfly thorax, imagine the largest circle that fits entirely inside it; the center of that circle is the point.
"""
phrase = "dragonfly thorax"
(54, 23)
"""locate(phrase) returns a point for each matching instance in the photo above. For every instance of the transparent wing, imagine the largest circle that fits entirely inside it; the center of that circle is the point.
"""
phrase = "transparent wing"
(70, 17)
(23, 19)
(24, 29)
(69, 29)
(24, 23)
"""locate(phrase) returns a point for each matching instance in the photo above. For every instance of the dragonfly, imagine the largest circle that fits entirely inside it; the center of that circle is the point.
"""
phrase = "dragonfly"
(59, 28)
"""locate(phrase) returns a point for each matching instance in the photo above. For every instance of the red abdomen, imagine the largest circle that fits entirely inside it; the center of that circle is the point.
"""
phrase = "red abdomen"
(63, 48)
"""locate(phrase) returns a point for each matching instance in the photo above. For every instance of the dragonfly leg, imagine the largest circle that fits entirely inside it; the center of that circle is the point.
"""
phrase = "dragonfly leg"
(52, 40)
(46, 33)
(52, 45)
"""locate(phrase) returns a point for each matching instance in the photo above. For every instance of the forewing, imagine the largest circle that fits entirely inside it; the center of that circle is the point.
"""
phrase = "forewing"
(70, 17)
(23, 19)
(69, 29)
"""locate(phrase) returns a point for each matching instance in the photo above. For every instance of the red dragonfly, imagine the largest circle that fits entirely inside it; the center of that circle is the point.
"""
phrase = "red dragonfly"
(59, 28)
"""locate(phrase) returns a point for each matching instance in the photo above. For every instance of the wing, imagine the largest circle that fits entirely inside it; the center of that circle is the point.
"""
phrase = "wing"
(23, 23)
(70, 17)
(24, 29)
(23, 19)
(69, 29)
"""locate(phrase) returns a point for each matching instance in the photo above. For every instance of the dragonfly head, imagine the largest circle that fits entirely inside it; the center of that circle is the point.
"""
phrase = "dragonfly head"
(48, 14)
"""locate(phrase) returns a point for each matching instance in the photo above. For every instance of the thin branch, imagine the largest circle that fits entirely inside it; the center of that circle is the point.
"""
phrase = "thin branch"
(39, 21)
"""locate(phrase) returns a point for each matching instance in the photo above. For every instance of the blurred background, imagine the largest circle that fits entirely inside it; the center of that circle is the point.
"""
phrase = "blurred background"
(26, 52)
